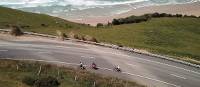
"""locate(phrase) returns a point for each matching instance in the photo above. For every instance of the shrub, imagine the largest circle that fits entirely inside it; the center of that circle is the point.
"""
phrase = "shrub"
(193, 16)
(80, 37)
(64, 35)
(83, 38)
(44, 25)
(61, 35)
(131, 19)
(76, 36)
(179, 15)
(99, 25)
(16, 31)
(71, 34)
(190, 16)
(120, 45)
(155, 15)
(29, 81)
(109, 24)
(146, 17)
(163, 15)
(185, 15)
(24, 26)
(89, 38)
(115, 22)
(47, 82)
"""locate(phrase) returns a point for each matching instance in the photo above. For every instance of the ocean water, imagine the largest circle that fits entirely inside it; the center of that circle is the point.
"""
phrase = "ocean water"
(78, 9)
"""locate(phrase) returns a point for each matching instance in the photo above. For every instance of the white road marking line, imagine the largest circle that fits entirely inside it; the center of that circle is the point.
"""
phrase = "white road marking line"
(88, 57)
(92, 57)
(98, 67)
(44, 46)
(60, 46)
(171, 66)
(131, 64)
(3, 50)
(2, 45)
(178, 76)
(160, 63)
(105, 69)
(73, 47)
(44, 52)
(151, 79)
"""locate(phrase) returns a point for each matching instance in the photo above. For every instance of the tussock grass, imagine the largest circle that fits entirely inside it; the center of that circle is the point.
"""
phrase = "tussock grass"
(16, 31)
(89, 38)
(62, 36)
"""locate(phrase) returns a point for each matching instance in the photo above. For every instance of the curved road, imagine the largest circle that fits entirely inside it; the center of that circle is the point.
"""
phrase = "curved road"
(143, 69)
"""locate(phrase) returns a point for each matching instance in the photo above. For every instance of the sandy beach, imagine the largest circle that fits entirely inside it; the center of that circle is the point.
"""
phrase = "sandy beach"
(189, 9)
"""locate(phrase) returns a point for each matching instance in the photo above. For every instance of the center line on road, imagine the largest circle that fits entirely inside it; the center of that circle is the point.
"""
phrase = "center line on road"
(1, 45)
(152, 79)
(3, 50)
(178, 76)
(92, 57)
(88, 57)
(131, 64)
(44, 52)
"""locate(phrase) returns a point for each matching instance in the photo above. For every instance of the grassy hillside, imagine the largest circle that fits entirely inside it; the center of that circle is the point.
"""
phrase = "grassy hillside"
(34, 22)
(170, 36)
(27, 74)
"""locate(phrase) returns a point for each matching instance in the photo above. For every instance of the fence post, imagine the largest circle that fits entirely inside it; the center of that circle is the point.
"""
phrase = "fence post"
(39, 70)
(126, 84)
(58, 72)
(75, 78)
(94, 84)
(17, 67)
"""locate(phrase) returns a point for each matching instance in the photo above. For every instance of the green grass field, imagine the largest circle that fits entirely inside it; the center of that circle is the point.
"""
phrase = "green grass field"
(179, 37)
(11, 77)
(171, 36)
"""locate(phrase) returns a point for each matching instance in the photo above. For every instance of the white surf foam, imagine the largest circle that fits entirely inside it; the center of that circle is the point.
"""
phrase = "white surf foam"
(67, 6)
(35, 3)
(86, 3)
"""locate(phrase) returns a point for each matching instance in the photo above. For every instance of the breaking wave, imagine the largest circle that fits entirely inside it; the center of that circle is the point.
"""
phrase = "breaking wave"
(90, 3)
(84, 8)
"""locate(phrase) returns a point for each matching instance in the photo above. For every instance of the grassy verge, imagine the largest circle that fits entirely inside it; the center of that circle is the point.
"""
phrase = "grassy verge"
(13, 72)
(177, 37)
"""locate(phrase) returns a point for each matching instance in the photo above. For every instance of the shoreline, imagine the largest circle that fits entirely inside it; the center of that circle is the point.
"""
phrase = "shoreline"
(185, 9)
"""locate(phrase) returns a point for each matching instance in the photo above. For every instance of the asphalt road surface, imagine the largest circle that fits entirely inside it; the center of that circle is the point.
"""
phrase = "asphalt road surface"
(151, 71)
